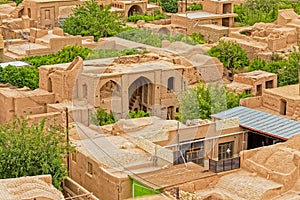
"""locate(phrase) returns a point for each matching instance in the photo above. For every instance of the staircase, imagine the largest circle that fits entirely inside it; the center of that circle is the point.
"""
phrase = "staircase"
(134, 103)
(15, 13)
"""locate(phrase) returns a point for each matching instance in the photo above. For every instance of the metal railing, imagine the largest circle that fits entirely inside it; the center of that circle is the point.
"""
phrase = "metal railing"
(224, 165)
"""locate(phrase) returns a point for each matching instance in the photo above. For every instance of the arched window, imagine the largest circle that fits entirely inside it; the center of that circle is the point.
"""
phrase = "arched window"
(171, 83)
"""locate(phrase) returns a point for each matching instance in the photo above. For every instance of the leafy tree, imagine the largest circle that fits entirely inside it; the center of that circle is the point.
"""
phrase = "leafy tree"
(230, 54)
(286, 69)
(256, 64)
(20, 76)
(169, 5)
(147, 37)
(138, 114)
(102, 118)
(90, 19)
(253, 11)
(197, 37)
(195, 6)
(67, 54)
(204, 100)
(28, 150)
(108, 53)
(156, 16)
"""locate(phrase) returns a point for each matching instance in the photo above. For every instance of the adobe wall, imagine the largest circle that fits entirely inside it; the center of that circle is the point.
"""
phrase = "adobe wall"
(207, 131)
(273, 102)
(103, 184)
(192, 25)
(38, 11)
(6, 109)
(251, 102)
(60, 81)
(57, 44)
(23, 106)
(211, 34)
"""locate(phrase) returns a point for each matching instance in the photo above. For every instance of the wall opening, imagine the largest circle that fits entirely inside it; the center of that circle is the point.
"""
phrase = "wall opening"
(269, 84)
(135, 9)
(225, 22)
(283, 107)
(84, 91)
(171, 84)
(140, 95)
(49, 85)
(258, 90)
(170, 112)
(29, 12)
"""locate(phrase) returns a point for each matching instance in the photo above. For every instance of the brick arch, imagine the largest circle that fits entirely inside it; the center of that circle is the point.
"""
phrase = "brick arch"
(135, 9)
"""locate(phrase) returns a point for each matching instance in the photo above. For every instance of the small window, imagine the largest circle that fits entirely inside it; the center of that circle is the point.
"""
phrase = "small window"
(47, 14)
(171, 83)
(225, 150)
(74, 157)
(215, 23)
(90, 168)
(84, 91)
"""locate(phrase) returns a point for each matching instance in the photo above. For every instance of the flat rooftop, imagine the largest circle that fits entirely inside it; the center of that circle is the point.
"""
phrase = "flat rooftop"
(257, 74)
(172, 176)
(288, 92)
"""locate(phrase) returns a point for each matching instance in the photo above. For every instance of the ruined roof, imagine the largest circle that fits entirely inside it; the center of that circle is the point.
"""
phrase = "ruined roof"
(262, 122)
(35, 187)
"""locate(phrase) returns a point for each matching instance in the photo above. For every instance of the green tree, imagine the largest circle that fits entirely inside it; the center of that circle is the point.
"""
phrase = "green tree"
(101, 117)
(256, 64)
(230, 54)
(90, 19)
(28, 150)
(169, 6)
(194, 6)
(20, 76)
(202, 101)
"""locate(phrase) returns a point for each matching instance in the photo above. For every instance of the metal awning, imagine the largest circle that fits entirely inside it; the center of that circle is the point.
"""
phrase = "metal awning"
(265, 123)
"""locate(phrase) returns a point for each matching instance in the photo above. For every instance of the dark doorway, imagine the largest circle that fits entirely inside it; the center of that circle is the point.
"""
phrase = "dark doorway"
(258, 90)
(135, 9)
(283, 107)
(225, 22)
(140, 95)
(269, 84)
(256, 140)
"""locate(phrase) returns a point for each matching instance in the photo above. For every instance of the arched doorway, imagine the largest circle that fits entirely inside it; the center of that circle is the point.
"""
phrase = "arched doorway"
(135, 9)
(107, 93)
(140, 95)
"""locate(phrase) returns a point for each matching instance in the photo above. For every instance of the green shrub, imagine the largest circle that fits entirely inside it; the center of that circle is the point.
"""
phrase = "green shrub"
(101, 117)
(195, 6)
(138, 114)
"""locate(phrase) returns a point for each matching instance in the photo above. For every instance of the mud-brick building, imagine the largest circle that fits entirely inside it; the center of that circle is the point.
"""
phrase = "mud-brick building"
(212, 21)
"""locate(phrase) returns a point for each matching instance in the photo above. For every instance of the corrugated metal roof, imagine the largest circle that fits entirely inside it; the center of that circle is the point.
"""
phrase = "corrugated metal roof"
(262, 122)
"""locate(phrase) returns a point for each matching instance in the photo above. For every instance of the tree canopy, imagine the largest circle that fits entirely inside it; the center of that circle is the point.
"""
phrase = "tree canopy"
(286, 69)
(90, 19)
(29, 150)
(230, 54)
(202, 101)
(169, 5)
(253, 11)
